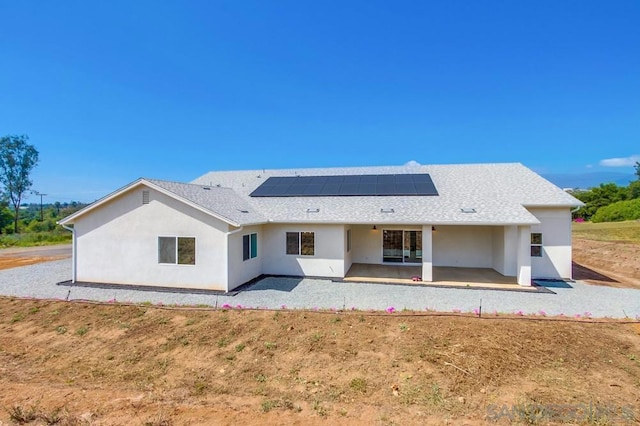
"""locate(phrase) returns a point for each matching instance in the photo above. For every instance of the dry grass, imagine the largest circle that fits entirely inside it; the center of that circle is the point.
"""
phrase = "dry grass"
(145, 365)
(628, 232)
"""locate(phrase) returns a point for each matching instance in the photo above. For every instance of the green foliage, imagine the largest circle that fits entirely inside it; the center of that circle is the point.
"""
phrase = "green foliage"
(600, 196)
(617, 212)
(35, 239)
(17, 160)
(637, 167)
(634, 189)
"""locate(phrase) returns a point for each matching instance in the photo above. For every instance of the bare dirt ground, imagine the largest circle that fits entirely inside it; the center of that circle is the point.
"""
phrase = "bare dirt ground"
(610, 263)
(23, 256)
(144, 365)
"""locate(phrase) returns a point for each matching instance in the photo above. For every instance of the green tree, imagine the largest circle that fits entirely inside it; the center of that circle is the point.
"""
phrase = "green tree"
(637, 167)
(17, 160)
(600, 196)
(634, 189)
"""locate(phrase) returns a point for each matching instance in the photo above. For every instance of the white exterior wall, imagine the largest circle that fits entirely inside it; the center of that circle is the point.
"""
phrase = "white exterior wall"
(118, 243)
(241, 271)
(555, 227)
(463, 246)
(348, 254)
(505, 244)
(367, 242)
(328, 261)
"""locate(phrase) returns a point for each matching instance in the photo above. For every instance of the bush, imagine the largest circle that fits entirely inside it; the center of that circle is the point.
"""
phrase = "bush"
(617, 212)
(35, 239)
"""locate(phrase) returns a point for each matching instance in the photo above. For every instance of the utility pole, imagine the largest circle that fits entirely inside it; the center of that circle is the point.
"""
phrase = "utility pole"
(41, 195)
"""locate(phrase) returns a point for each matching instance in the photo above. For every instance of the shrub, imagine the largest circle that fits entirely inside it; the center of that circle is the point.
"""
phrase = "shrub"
(617, 212)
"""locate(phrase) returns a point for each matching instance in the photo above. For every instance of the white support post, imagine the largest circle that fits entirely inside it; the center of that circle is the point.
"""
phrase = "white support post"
(524, 255)
(427, 253)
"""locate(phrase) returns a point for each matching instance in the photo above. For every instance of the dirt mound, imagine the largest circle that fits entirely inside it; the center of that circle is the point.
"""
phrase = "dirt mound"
(115, 364)
(615, 264)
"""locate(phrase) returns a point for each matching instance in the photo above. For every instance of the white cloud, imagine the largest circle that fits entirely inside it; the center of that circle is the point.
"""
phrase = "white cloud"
(620, 162)
(412, 163)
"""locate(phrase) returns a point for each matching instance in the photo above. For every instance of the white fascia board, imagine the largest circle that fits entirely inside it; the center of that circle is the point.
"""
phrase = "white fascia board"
(400, 223)
(555, 206)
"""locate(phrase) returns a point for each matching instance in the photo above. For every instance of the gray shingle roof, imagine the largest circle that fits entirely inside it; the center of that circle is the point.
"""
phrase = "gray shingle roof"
(224, 202)
(499, 194)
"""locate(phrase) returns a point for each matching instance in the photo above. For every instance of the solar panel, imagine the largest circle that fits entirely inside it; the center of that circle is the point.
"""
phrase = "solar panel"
(346, 186)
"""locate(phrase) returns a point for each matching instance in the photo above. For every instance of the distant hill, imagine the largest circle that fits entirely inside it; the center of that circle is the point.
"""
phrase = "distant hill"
(588, 180)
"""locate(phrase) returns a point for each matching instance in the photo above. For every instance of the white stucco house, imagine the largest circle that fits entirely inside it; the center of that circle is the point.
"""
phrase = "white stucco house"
(227, 228)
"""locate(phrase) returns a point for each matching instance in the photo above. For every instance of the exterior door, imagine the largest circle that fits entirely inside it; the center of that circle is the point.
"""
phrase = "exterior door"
(401, 246)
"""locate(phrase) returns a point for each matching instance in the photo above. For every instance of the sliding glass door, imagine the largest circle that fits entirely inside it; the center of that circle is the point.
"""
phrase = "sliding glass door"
(401, 246)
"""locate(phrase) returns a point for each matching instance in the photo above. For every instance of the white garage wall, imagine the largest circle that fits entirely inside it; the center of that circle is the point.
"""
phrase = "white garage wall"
(118, 243)
(241, 271)
(555, 227)
(328, 260)
(463, 246)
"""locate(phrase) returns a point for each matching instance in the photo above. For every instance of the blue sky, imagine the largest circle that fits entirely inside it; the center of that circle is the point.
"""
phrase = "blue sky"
(112, 91)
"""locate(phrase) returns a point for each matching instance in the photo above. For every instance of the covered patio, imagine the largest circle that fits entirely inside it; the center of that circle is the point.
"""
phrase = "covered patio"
(442, 276)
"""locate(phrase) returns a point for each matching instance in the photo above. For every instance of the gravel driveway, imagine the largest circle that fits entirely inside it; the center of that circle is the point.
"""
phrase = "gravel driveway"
(39, 281)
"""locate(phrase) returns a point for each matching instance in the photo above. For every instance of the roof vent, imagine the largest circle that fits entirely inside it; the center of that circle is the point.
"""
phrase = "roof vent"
(243, 211)
(468, 210)
(387, 211)
(145, 197)
(316, 210)
(206, 188)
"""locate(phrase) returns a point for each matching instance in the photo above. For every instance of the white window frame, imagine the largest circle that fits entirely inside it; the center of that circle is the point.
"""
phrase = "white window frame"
(536, 244)
(299, 252)
(253, 246)
(177, 250)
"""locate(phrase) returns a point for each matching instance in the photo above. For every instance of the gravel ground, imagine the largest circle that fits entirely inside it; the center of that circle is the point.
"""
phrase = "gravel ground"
(39, 281)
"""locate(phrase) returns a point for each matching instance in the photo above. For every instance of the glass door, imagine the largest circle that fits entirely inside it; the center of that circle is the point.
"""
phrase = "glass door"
(401, 246)
(412, 247)
(392, 246)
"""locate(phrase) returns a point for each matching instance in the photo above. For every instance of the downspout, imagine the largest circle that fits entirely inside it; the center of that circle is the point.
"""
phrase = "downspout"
(73, 251)
(235, 231)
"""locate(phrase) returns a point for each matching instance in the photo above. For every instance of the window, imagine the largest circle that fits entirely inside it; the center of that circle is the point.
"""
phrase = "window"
(536, 244)
(348, 240)
(249, 246)
(301, 243)
(177, 250)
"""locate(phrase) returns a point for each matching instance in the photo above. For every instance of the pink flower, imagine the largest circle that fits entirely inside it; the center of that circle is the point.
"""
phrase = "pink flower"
(578, 315)
(542, 313)
(391, 309)
(587, 314)
(239, 306)
(283, 307)
(226, 306)
(520, 313)
(476, 311)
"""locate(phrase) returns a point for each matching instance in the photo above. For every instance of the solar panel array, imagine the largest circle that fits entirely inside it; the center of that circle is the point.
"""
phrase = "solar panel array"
(346, 185)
